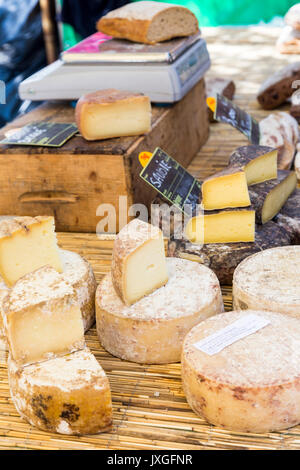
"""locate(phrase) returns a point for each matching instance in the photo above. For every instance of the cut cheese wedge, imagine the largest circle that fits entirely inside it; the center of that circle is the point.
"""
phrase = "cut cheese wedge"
(112, 113)
(42, 317)
(152, 330)
(268, 198)
(228, 226)
(26, 244)
(225, 189)
(138, 261)
(66, 395)
(252, 383)
(257, 161)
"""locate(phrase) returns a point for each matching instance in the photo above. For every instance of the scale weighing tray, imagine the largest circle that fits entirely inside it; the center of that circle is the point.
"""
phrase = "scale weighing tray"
(165, 72)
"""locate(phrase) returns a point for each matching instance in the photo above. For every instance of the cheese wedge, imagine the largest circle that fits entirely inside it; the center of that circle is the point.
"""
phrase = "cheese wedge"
(26, 244)
(66, 395)
(112, 113)
(138, 261)
(257, 161)
(222, 227)
(227, 188)
(42, 317)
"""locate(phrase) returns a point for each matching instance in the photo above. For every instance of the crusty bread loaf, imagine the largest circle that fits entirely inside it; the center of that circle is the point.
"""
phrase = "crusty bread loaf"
(277, 88)
(292, 18)
(113, 113)
(149, 22)
(289, 41)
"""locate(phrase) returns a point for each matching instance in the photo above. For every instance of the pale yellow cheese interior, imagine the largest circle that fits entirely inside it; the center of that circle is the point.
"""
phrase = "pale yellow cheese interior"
(145, 269)
(39, 333)
(277, 197)
(27, 250)
(225, 191)
(124, 118)
(261, 169)
(223, 227)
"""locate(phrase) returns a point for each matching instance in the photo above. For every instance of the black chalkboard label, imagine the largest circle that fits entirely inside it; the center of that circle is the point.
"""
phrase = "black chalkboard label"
(228, 112)
(42, 133)
(172, 181)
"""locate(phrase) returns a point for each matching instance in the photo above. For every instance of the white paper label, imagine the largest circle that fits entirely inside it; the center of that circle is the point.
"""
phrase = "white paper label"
(241, 328)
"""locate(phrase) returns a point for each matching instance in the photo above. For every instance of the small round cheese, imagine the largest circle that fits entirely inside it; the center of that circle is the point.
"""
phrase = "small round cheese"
(78, 272)
(152, 330)
(67, 395)
(252, 385)
(269, 280)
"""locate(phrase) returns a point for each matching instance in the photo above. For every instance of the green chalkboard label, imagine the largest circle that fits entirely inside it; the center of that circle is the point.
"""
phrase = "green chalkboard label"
(42, 133)
(172, 181)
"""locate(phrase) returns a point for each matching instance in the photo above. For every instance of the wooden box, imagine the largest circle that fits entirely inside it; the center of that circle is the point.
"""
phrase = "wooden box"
(72, 181)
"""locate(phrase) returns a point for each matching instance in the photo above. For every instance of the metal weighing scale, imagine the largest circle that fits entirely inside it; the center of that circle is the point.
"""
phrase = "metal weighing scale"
(165, 72)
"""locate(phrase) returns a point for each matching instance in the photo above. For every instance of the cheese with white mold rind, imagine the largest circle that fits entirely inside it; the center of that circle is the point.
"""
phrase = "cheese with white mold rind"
(26, 244)
(252, 385)
(225, 189)
(269, 280)
(152, 330)
(112, 113)
(138, 261)
(42, 317)
(66, 395)
(259, 162)
(227, 226)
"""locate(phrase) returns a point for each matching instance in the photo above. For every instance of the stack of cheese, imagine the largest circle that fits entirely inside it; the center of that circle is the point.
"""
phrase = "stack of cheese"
(55, 381)
(147, 303)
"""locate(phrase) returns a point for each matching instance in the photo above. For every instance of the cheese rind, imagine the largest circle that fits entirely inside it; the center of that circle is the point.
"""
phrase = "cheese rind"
(228, 226)
(289, 217)
(138, 261)
(66, 395)
(268, 198)
(42, 317)
(112, 113)
(152, 330)
(259, 162)
(26, 244)
(269, 280)
(252, 385)
(227, 188)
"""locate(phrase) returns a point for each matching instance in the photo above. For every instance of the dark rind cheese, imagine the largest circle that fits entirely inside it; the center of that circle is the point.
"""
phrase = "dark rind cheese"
(289, 217)
(267, 198)
(224, 258)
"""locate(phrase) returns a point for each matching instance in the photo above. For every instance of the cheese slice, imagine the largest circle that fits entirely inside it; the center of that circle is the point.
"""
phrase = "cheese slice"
(42, 317)
(113, 113)
(152, 330)
(252, 385)
(227, 226)
(269, 280)
(66, 395)
(138, 261)
(26, 244)
(228, 188)
(257, 161)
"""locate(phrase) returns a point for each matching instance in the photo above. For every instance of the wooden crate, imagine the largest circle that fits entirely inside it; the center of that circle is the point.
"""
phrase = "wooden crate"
(72, 181)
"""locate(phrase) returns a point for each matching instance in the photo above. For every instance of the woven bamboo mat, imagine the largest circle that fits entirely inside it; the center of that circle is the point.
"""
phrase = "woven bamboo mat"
(149, 408)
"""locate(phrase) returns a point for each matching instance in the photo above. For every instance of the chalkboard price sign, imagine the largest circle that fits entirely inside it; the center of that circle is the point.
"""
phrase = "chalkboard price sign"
(172, 181)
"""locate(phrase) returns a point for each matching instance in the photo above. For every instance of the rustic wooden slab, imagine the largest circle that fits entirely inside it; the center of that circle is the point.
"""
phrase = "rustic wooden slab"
(70, 182)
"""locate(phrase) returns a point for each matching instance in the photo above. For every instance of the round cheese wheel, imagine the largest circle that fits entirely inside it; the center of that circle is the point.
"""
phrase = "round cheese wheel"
(78, 272)
(152, 330)
(269, 280)
(67, 395)
(252, 385)
(3, 341)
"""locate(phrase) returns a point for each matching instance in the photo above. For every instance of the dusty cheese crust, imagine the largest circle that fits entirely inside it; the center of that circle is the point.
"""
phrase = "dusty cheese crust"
(78, 272)
(138, 21)
(252, 385)
(66, 395)
(269, 280)
(152, 330)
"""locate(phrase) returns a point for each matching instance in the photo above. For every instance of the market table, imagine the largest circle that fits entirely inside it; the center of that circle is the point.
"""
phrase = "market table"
(149, 408)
